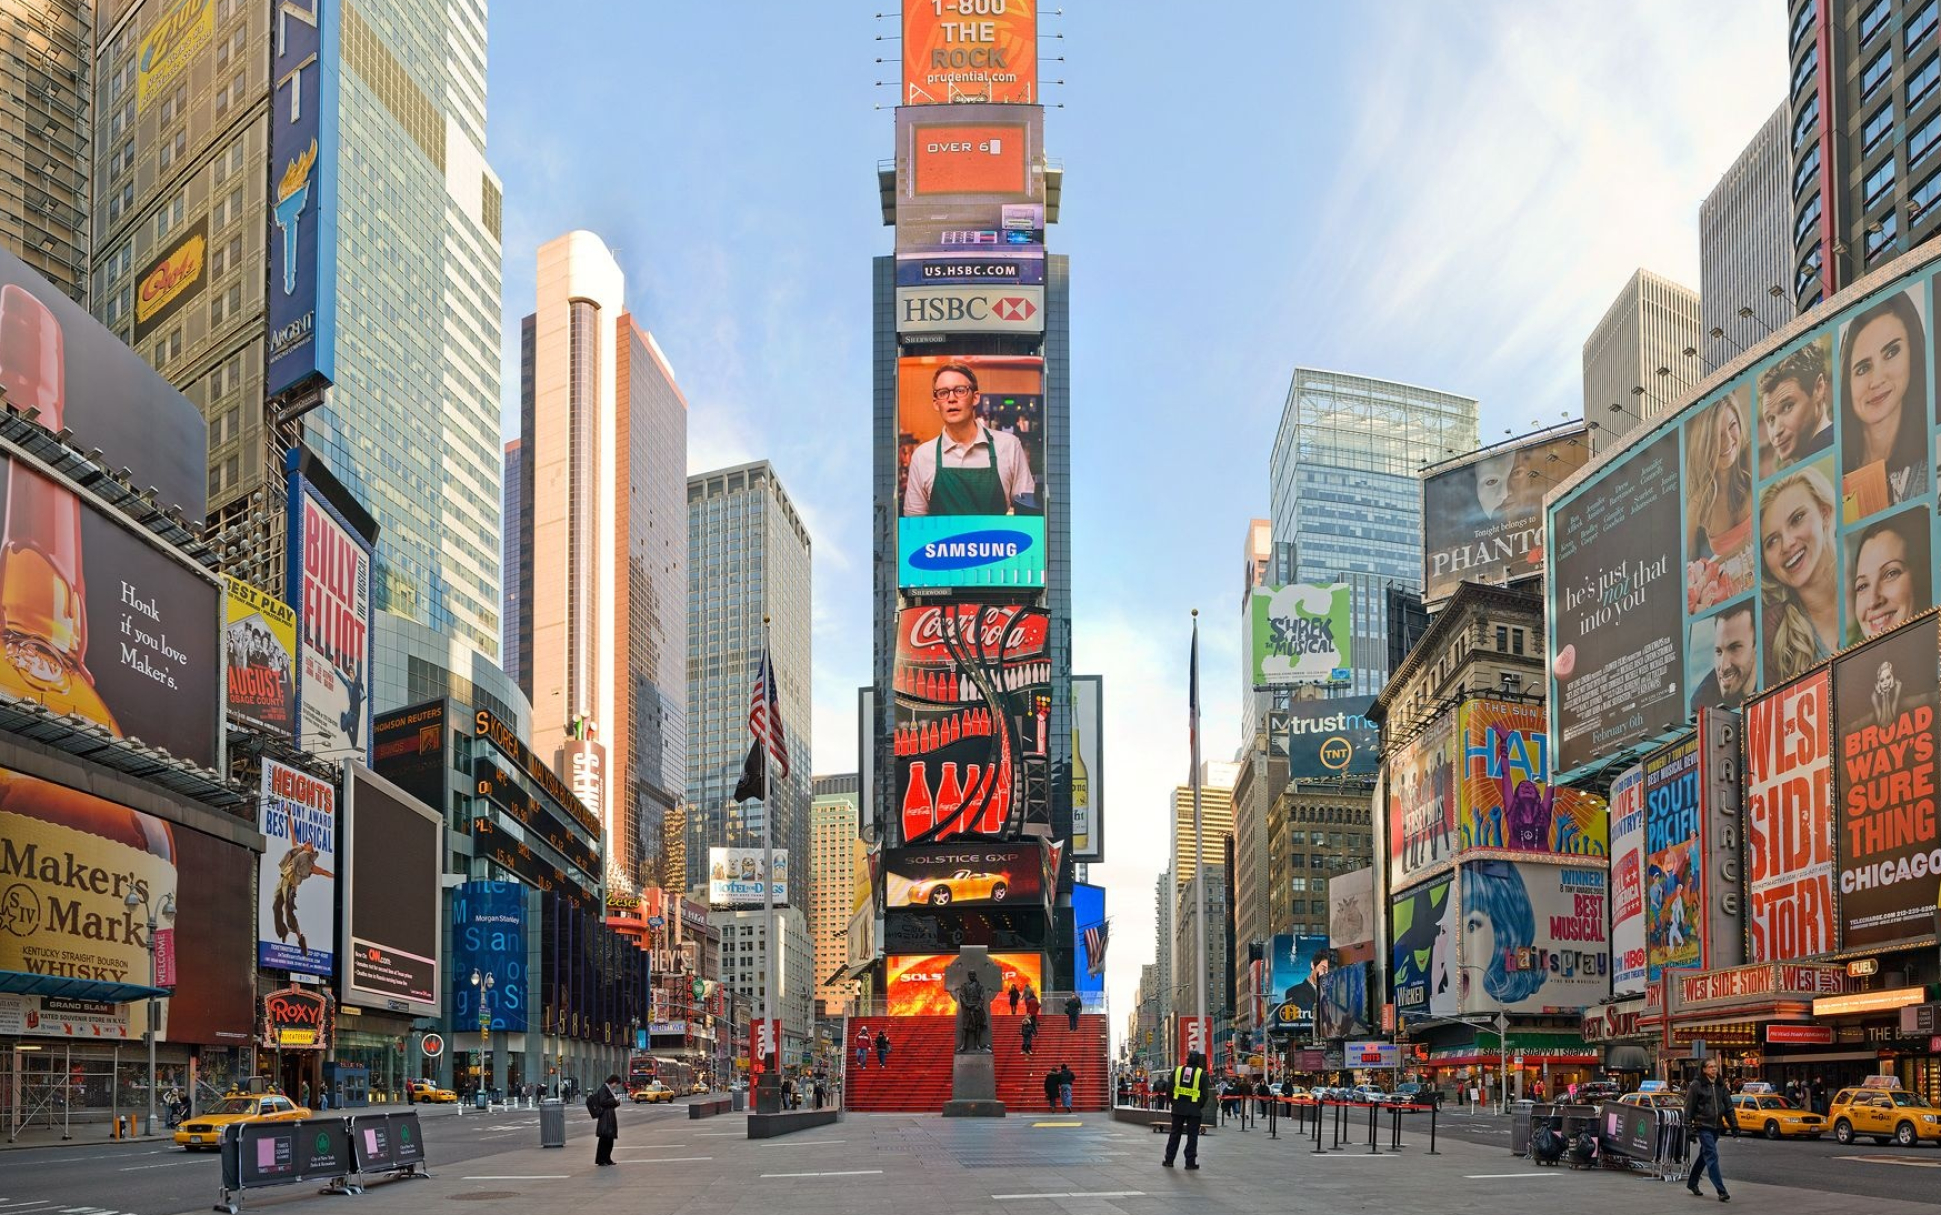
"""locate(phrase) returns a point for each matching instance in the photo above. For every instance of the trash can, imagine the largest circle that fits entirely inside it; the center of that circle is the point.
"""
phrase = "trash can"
(740, 1100)
(1522, 1116)
(479, 1099)
(552, 1123)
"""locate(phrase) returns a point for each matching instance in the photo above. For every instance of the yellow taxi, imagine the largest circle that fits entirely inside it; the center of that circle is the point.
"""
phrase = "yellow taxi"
(1883, 1109)
(1662, 1100)
(204, 1131)
(651, 1092)
(425, 1090)
(1773, 1116)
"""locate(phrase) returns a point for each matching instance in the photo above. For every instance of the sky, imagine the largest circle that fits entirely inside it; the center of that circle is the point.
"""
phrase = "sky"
(1446, 195)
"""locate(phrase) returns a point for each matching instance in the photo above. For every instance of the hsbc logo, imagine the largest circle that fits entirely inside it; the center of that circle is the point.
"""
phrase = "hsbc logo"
(1006, 309)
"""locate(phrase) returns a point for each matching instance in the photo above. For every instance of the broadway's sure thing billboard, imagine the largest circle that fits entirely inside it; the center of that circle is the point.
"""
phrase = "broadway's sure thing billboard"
(970, 470)
(393, 905)
(489, 939)
(1482, 519)
(1422, 925)
(984, 52)
(1300, 633)
(1332, 737)
(1674, 861)
(1749, 536)
(1628, 958)
(737, 878)
(1789, 821)
(1508, 800)
(1884, 698)
(983, 875)
(296, 881)
(331, 588)
(915, 982)
(1534, 938)
(261, 639)
(1422, 802)
(973, 722)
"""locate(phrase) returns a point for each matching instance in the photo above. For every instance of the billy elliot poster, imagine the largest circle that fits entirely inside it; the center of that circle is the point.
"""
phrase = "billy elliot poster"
(1789, 821)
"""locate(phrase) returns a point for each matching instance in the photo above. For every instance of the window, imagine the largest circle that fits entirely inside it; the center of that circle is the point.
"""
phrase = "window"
(1924, 195)
(1808, 216)
(1809, 272)
(1877, 182)
(1802, 25)
(1516, 642)
(1873, 20)
(1298, 884)
(1922, 141)
(1803, 73)
(1875, 73)
(1807, 121)
(1502, 639)
(1317, 861)
(1922, 80)
(1879, 125)
(1882, 233)
(1921, 24)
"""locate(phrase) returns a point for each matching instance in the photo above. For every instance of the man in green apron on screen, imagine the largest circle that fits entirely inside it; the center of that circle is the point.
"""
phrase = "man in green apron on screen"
(968, 469)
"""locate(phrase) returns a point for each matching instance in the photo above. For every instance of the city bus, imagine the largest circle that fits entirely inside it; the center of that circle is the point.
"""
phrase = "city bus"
(644, 1066)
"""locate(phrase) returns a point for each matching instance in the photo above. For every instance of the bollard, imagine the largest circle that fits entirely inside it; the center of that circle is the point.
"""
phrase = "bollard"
(1340, 1121)
(1270, 1118)
(1374, 1149)
(1434, 1109)
(1395, 1130)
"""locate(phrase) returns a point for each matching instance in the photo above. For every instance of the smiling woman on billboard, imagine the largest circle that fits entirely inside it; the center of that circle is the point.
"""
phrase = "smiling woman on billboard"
(1883, 410)
(1718, 509)
(1800, 589)
(1890, 582)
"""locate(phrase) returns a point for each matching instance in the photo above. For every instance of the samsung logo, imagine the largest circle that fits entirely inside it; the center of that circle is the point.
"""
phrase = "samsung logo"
(970, 550)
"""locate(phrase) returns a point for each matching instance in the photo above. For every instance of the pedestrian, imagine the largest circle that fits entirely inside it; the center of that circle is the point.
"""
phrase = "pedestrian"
(882, 1048)
(1051, 1088)
(819, 1094)
(1030, 1002)
(304, 1090)
(602, 1103)
(1190, 1091)
(1536, 1089)
(1073, 1006)
(862, 1047)
(788, 1092)
(1066, 1078)
(1706, 1104)
(1261, 1094)
(1026, 1033)
(1016, 995)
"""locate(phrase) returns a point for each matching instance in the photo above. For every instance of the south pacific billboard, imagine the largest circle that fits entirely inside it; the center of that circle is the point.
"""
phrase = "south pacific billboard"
(1423, 927)
(260, 636)
(1422, 801)
(1789, 821)
(1508, 800)
(296, 883)
(970, 471)
(1746, 538)
(1884, 698)
(1628, 958)
(1300, 633)
(1535, 937)
(955, 52)
(1482, 518)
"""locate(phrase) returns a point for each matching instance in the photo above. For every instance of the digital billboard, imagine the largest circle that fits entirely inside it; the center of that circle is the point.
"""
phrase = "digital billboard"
(1351, 916)
(331, 589)
(393, 904)
(1674, 861)
(915, 987)
(1332, 737)
(737, 877)
(409, 749)
(1509, 801)
(1628, 964)
(981, 875)
(955, 52)
(296, 881)
(489, 938)
(1300, 633)
(1422, 798)
(1789, 821)
(1535, 937)
(970, 466)
(1803, 493)
(260, 636)
(956, 228)
(1088, 911)
(1482, 519)
(304, 58)
(987, 152)
(971, 270)
(1422, 926)
(972, 739)
(1088, 768)
(939, 309)
(103, 620)
(1341, 1006)
(1296, 966)
(1884, 697)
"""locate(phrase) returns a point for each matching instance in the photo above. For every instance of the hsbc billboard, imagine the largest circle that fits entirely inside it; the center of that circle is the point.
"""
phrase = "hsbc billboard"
(1005, 309)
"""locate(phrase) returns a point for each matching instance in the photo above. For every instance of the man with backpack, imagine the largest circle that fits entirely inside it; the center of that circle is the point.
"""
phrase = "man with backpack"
(603, 1103)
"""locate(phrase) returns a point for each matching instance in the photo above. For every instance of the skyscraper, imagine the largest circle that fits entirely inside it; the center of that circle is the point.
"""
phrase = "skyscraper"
(748, 555)
(603, 636)
(515, 566)
(838, 881)
(46, 65)
(1745, 247)
(1216, 818)
(1635, 361)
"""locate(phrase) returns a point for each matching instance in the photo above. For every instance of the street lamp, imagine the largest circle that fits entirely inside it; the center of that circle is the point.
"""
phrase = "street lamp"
(484, 988)
(138, 898)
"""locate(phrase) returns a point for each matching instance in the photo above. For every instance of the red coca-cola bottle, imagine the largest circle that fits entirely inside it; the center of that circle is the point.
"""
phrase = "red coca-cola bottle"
(950, 799)
(917, 809)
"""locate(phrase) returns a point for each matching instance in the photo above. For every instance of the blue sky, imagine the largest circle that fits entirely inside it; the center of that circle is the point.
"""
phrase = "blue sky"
(1447, 195)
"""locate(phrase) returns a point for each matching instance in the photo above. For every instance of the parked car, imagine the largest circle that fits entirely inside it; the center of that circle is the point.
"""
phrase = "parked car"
(1775, 1117)
(1414, 1093)
(204, 1131)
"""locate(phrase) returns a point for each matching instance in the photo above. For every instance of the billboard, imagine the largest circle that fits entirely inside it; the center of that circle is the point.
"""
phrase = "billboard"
(1674, 861)
(1628, 964)
(1509, 801)
(172, 281)
(982, 875)
(331, 588)
(970, 466)
(1000, 309)
(103, 621)
(67, 861)
(1300, 633)
(1804, 525)
(1483, 519)
(408, 748)
(489, 938)
(914, 983)
(1341, 1007)
(1789, 821)
(260, 636)
(1088, 768)
(170, 47)
(965, 227)
(57, 359)
(1422, 924)
(1422, 801)
(1535, 938)
(737, 877)
(1088, 911)
(1351, 916)
(303, 191)
(393, 905)
(1884, 699)
(993, 152)
(959, 53)
(1332, 737)
(972, 723)
(972, 269)
(1296, 966)
(296, 882)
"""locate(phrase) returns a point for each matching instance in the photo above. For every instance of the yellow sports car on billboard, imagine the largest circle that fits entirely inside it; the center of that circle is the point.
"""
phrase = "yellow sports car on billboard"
(963, 886)
(205, 1129)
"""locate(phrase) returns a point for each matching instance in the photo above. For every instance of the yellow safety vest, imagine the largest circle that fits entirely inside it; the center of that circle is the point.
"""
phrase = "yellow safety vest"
(1181, 1088)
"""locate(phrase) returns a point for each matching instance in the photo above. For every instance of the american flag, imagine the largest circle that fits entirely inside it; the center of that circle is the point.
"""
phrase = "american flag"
(1095, 937)
(764, 707)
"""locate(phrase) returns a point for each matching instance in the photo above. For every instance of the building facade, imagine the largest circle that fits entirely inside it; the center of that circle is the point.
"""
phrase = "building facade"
(517, 572)
(46, 75)
(1745, 247)
(744, 969)
(1216, 818)
(1636, 364)
(838, 883)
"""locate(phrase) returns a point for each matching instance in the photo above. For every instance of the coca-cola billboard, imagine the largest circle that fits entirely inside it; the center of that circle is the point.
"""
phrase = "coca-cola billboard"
(973, 722)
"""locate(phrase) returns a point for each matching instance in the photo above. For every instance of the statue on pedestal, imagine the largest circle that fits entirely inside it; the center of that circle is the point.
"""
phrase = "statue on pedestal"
(972, 980)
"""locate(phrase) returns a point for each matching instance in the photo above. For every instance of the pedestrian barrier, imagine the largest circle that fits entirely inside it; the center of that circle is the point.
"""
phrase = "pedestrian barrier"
(343, 1151)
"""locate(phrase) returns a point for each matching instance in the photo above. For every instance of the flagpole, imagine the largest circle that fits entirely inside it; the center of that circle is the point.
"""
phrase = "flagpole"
(1199, 855)
(768, 853)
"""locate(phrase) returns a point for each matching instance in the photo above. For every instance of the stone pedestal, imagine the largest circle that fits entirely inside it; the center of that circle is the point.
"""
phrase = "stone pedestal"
(973, 1087)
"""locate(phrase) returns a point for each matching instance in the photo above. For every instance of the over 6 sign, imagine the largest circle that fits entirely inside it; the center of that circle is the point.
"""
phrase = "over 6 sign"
(1194, 1034)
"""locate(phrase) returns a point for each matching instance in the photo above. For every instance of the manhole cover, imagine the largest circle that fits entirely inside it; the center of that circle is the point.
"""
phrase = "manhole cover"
(481, 1195)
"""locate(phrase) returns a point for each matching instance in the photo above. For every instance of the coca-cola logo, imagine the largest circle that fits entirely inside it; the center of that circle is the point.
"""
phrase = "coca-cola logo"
(1005, 632)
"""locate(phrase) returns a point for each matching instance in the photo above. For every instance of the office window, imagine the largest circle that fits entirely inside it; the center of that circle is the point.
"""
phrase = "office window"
(1873, 20)
(1802, 26)
(1807, 122)
(1922, 80)
(1875, 73)
(1803, 72)
(1880, 240)
(1921, 25)
(1877, 182)
(1879, 126)
(1922, 141)
(1924, 195)
(1808, 216)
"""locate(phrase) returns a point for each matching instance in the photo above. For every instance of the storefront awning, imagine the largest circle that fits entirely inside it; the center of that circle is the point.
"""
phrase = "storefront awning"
(24, 983)
(1627, 1057)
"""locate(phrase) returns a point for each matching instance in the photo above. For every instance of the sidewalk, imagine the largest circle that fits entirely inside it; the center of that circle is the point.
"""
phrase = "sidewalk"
(94, 1133)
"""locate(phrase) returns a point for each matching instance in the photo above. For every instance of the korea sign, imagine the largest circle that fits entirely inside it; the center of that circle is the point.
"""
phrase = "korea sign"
(1005, 309)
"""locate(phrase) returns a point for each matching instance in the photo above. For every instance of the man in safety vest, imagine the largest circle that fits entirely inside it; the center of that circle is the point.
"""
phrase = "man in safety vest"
(1192, 1090)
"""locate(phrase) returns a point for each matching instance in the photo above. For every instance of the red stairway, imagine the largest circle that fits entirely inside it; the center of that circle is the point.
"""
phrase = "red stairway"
(918, 1077)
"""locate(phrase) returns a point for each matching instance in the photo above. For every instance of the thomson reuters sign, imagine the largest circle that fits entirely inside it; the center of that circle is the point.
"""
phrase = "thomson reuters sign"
(995, 309)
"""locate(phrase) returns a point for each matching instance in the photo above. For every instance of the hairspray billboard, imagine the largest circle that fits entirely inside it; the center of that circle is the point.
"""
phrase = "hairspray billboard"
(1509, 802)
(1884, 697)
(1423, 927)
(1789, 821)
(1534, 938)
(296, 883)
(1628, 966)
(1674, 861)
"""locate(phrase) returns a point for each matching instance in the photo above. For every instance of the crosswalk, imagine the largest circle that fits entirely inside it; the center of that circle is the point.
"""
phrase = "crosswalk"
(52, 1206)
